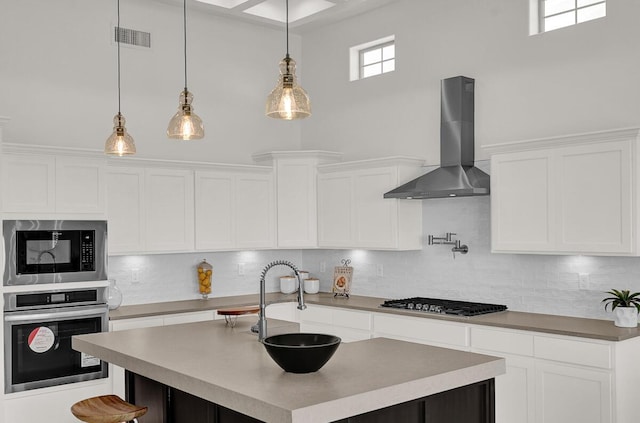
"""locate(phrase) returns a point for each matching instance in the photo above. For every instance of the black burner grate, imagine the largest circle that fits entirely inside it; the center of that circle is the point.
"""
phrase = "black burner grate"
(435, 305)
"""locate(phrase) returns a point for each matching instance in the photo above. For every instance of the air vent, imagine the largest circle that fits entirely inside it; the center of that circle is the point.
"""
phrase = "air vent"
(132, 37)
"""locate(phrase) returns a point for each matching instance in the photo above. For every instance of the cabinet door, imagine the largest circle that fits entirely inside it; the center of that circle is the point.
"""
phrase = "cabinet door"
(255, 213)
(169, 210)
(376, 218)
(297, 213)
(28, 183)
(522, 202)
(214, 207)
(572, 394)
(594, 198)
(125, 210)
(335, 211)
(80, 185)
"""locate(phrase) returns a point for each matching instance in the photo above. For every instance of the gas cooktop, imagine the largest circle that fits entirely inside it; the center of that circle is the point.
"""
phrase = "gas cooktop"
(434, 305)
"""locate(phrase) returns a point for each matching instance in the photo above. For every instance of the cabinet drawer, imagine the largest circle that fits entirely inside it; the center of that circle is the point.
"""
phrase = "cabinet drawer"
(575, 352)
(136, 323)
(501, 341)
(345, 334)
(352, 319)
(316, 314)
(188, 317)
(360, 320)
(421, 329)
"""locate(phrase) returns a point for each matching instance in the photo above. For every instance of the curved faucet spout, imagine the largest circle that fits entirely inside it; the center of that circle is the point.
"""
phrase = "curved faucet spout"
(262, 319)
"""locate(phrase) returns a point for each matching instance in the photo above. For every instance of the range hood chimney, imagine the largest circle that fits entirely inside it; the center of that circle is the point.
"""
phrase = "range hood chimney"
(457, 176)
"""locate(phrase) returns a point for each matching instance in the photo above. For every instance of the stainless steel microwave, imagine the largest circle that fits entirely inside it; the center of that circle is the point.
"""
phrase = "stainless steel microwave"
(52, 251)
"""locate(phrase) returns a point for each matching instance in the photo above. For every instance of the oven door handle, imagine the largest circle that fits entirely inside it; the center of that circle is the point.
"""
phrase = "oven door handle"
(54, 315)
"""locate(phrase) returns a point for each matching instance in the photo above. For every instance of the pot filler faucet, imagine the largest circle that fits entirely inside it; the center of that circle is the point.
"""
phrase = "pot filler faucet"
(261, 326)
(458, 247)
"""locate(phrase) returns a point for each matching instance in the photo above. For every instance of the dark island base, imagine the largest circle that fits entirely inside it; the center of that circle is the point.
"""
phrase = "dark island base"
(469, 404)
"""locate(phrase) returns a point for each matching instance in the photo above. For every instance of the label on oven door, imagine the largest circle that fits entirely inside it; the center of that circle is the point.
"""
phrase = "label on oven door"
(41, 339)
(87, 360)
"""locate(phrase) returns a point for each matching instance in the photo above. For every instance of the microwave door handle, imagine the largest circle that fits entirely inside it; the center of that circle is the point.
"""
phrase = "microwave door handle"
(53, 315)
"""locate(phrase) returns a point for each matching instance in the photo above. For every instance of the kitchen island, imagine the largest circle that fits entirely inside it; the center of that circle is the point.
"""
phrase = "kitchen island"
(208, 367)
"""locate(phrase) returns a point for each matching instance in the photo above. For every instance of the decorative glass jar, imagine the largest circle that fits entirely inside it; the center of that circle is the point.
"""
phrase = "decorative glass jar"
(205, 270)
(114, 298)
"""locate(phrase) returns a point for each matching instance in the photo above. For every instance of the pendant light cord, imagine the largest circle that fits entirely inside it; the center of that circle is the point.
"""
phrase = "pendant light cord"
(118, 33)
(287, 24)
(184, 15)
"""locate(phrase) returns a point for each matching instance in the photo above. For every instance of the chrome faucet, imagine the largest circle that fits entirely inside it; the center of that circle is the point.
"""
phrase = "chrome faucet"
(261, 326)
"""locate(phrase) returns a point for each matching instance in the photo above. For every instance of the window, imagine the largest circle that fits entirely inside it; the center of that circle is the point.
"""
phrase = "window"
(373, 58)
(556, 14)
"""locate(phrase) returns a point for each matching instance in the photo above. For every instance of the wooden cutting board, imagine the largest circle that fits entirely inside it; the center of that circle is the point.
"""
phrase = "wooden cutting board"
(237, 311)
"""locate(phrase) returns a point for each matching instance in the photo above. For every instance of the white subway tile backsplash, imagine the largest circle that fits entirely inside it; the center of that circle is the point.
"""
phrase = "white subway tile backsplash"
(533, 283)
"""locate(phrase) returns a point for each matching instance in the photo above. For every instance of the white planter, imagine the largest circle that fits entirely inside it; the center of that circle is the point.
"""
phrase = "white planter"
(626, 317)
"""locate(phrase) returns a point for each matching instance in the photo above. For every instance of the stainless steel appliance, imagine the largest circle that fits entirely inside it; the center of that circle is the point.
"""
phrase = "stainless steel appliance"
(52, 251)
(457, 175)
(435, 305)
(38, 327)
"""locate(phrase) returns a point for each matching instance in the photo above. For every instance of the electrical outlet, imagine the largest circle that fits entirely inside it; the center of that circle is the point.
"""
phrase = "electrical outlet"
(379, 270)
(135, 275)
(583, 279)
(323, 266)
(240, 269)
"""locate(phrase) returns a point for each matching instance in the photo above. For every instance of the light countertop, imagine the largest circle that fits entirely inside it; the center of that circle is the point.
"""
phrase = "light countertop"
(545, 323)
(228, 366)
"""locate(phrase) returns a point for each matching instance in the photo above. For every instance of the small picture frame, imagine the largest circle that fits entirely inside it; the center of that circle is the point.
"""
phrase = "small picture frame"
(342, 276)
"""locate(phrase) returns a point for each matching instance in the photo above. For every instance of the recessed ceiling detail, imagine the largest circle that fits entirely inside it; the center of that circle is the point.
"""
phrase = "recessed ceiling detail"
(273, 10)
(303, 14)
(227, 4)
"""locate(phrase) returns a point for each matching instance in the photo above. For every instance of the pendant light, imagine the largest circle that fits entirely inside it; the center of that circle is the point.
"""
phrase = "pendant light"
(185, 125)
(120, 143)
(288, 100)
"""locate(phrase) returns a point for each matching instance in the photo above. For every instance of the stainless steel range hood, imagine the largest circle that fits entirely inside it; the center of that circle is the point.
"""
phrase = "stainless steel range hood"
(457, 176)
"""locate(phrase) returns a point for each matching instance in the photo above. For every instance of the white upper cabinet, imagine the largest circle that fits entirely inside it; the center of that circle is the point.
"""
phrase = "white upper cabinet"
(235, 208)
(352, 212)
(169, 209)
(296, 194)
(571, 195)
(38, 180)
(80, 185)
(28, 183)
(125, 209)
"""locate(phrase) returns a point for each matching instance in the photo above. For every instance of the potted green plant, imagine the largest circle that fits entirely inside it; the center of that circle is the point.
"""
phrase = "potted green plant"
(625, 305)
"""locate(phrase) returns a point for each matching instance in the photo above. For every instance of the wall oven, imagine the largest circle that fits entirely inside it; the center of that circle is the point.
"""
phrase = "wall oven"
(52, 251)
(38, 326)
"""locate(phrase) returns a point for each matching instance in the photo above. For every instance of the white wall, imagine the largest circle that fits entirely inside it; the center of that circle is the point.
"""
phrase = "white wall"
(572, 80)
(58, 78)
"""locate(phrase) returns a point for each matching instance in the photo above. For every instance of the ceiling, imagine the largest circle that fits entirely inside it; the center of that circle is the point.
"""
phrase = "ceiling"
(304, 15)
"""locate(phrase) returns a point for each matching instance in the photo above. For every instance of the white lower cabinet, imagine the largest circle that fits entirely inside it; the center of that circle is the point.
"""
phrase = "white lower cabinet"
(51, 405)
(349, 325)
(549, 379)
(424, 331)
(566, 393)
(283, 311)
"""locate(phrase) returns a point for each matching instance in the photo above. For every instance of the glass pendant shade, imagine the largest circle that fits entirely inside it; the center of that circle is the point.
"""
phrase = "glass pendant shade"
(120, 143)
(185, 125)
(288, 100)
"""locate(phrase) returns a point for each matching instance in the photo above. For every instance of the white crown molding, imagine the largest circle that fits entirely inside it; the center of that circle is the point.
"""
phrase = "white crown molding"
(320, 155)
(584, 138)
(369, 163)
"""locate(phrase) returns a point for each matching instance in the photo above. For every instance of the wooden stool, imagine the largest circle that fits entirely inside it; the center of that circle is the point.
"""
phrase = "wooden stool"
(106, 409)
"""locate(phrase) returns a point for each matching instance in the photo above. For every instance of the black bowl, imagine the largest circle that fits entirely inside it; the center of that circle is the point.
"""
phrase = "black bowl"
(301, 352)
